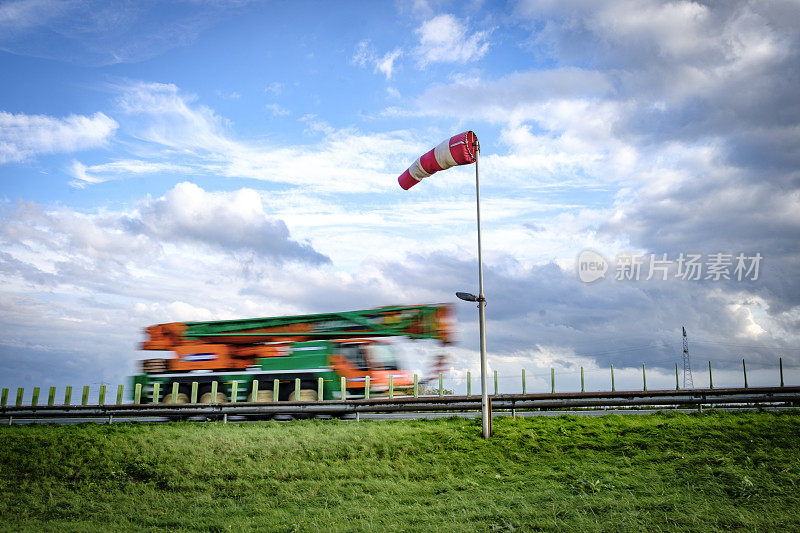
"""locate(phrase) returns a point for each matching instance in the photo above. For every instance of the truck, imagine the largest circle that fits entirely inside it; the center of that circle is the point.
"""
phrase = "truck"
(264, 359)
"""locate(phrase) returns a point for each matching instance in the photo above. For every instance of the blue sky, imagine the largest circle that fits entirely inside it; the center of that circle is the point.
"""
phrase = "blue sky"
(165, 161)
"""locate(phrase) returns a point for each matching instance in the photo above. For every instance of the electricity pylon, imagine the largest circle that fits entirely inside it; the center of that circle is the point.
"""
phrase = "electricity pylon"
(688, 382)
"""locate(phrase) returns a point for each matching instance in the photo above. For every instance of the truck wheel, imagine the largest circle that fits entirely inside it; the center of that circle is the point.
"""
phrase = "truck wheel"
(182, 397)
(305, 395)
(264, 396)
(206, 398)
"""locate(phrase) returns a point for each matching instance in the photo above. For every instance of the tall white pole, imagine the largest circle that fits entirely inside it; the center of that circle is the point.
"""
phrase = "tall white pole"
(486, 422)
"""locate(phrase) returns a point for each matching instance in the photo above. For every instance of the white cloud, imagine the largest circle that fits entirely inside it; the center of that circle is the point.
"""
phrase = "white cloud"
(88, 175)
(169, 124)
(386, 63)
(275, 88)
(26, 136)
(277, 110)
(365, 54)
(445, 39)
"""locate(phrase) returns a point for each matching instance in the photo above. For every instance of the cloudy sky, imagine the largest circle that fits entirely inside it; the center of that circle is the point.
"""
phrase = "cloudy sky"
(203, 160)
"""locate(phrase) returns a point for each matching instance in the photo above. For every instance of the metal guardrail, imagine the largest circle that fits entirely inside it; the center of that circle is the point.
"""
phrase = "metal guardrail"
(657, 398)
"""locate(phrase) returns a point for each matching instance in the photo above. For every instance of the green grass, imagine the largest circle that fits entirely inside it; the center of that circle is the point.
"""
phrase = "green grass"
(709, 472)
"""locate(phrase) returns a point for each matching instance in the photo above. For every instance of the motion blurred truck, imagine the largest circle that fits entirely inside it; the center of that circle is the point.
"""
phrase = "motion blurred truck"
(243, 360)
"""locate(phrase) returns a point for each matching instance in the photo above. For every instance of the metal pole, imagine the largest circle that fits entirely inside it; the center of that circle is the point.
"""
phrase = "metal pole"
(487, 430)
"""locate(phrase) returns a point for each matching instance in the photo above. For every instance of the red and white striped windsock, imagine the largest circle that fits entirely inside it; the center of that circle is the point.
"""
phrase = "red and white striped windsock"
(459, 149)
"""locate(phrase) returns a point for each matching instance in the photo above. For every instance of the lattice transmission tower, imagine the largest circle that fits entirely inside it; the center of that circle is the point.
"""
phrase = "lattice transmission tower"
(688, 382)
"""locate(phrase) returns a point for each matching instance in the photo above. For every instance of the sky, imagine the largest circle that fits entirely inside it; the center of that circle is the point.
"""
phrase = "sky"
(199, 160)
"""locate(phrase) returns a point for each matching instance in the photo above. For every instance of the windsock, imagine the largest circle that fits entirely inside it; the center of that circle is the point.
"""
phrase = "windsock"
(461, 149)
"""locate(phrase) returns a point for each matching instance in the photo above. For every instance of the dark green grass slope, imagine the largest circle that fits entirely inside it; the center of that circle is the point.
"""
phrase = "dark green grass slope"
(710, 472)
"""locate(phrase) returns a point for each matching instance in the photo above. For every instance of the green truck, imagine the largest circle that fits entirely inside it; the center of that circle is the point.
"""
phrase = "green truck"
(288, 358)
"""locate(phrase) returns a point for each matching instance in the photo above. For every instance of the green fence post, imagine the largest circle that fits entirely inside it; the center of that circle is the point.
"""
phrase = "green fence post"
(254, 391)
(4, 397)
(744, 370)
(214, 391)
(101, 398)
(552, 380)
(469, 383)
(582, 389)
(276, 385)
(297, 389)
(391, 386)
(780, 364)
(156, 392)
(644, 379)
(51, 396)
(523, 381)
(174, 395)
(20, 393)
(441, 384)
(195, 387)
(85, 395)
(120, 393)
(35, 397)
(137, 393)
(677, 384)
(320, 391)
(495, 383)
(68, 395)
(235, 391)
(710, 377)
(613, 389)
(343, 387)
(416, 386)
(366, 388)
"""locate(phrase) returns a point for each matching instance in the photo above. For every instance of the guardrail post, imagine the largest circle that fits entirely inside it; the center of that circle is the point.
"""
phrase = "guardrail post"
(320, 390)
(416, 386)
(582, 389)
(677, 384)
(85, 395)
(3, 397)
(156, 392)
(35, 397)
(20, 393)
(552, 380)
(101, 398)
(297, 389)
(67, 394)
(710, 377)
(744, 370)
(780, 364)
(276, 386)
(51, 396)
(469, 384)
(174, 392)
(612, 379)
(235, 391)
(366, 388)
(120, 393)
(523, 381)
(343, 387)
(193, 397)
(644, 379)
(495, 383)
(391, 386)
(137, 393)
(254, 391)
(214, 391)
(441, 384)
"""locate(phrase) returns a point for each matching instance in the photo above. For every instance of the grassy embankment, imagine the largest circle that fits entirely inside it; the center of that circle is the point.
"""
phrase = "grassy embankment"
(615, 473)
